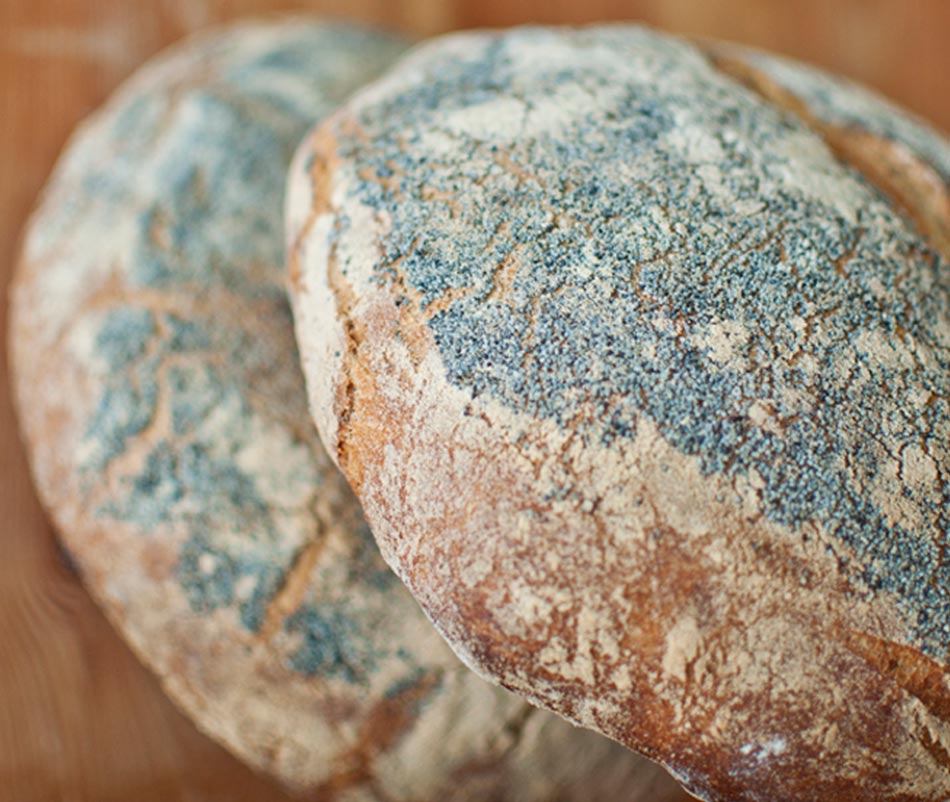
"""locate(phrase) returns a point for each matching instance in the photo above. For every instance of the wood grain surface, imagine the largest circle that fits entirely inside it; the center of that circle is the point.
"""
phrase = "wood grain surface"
(80, 719)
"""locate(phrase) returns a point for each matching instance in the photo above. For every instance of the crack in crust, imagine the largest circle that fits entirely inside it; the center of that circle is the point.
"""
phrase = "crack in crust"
(321, 179)
(388, 721)
(912, 185)
(288, 598)
(923, 678)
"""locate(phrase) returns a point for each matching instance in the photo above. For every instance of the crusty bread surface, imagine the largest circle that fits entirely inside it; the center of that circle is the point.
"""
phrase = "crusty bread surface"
(641, 370)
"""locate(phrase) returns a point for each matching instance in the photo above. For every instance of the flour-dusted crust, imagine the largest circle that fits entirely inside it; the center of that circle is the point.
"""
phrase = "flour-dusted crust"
(641, 370)
(165, 414)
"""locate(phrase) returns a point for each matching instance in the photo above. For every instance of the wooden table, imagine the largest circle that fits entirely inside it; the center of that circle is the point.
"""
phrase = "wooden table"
(80, 719)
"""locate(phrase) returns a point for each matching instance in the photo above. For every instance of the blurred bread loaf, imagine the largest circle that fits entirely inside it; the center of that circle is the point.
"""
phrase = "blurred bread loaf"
(165, 415)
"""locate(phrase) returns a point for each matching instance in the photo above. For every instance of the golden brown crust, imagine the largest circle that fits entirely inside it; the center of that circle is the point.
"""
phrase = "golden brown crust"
(698, 682)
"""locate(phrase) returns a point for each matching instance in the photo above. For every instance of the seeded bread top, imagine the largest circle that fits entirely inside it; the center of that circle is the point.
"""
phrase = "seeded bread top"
(670, 324)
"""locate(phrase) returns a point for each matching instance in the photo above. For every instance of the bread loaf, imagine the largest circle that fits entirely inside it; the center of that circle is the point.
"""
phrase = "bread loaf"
(641, 370)
(165, 414)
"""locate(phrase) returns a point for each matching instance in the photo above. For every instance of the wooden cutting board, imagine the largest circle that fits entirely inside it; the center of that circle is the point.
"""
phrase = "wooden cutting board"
(80, 719)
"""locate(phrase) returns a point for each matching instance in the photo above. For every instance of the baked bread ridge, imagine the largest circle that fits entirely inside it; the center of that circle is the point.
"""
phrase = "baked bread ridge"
(165, 416)
(640, 371)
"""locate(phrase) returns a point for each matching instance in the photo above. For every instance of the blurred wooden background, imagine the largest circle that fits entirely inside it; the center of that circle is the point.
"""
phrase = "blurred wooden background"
(79, 718)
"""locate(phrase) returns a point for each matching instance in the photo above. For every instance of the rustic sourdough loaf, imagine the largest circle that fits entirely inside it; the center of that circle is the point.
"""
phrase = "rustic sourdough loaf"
(165, 414)
(641, 369)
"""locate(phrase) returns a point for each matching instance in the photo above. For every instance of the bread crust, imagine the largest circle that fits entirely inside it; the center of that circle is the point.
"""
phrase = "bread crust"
(165, 415)
(639, 371)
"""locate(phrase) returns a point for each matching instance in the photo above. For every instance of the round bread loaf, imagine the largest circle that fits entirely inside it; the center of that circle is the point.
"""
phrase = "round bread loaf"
(641, 370)
(165, 414)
